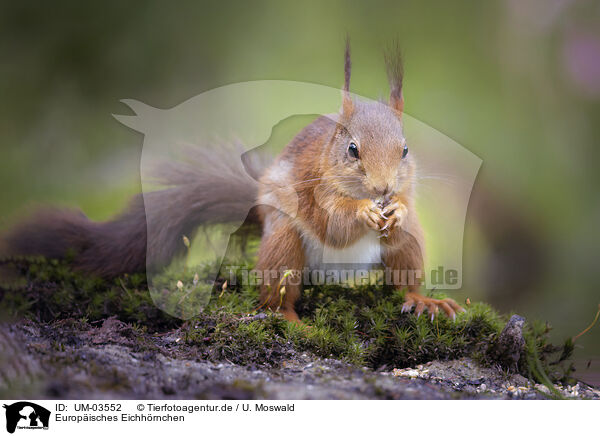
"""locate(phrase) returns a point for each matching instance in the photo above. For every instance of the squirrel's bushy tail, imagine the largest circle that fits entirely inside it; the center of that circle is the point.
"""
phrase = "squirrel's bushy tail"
(206, 187)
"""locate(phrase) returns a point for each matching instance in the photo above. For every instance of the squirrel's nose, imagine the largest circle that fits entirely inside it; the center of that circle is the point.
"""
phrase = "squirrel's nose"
(383, 190)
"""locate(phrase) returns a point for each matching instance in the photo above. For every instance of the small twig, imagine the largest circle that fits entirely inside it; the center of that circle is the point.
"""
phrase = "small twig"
(285, 274)
(124, 287)
(266, 301)
(187, 243)
(223, 288)
(590, 326)
(281, 295)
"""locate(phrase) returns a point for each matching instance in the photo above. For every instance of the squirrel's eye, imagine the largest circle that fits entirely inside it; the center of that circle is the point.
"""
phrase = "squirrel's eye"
(404, 151)
(353, 150)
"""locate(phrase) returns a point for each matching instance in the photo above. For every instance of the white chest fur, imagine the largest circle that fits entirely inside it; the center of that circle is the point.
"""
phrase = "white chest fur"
(366, 250)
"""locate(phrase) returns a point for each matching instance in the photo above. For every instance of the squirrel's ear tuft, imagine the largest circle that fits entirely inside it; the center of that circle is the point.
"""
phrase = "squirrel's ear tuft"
(347, 104)
(395, 72)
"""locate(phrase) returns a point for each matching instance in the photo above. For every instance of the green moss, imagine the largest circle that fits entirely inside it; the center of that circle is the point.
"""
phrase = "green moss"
(45, 290)
(545, 362)
(240, 340)
(364, 326)
(361, 325)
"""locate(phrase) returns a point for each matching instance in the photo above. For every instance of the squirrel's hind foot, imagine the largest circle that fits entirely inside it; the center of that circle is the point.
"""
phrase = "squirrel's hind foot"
(420, 303)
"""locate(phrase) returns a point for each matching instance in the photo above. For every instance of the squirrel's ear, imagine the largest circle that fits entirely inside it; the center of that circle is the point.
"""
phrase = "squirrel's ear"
(347, 103)
(395, 71)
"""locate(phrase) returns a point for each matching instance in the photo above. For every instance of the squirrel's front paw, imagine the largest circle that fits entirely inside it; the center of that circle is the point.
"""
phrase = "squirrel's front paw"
(395, 214)
(371, 214)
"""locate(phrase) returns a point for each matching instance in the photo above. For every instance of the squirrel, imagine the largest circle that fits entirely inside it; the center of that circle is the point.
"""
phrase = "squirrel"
(353, 179)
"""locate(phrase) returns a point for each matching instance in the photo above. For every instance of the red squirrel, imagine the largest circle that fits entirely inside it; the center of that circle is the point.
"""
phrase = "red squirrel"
(353, 179)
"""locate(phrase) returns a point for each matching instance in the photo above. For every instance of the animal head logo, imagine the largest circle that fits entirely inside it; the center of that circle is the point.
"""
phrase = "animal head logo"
(235, 126)
(26, 415)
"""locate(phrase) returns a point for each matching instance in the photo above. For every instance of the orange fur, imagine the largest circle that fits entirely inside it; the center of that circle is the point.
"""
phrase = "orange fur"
(279, 251)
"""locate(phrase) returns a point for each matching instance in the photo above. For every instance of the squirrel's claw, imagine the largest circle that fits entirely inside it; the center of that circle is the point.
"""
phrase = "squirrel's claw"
(369, 213)
(419, 308)
(383, 234)
(390, 208)
(406, 307)
(448, 305)
(394, 214)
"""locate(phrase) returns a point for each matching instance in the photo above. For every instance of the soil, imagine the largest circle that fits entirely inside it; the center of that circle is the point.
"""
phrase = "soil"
(110, 359)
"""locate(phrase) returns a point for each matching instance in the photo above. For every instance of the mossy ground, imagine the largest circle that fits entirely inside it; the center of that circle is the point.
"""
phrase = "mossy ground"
(360, 325)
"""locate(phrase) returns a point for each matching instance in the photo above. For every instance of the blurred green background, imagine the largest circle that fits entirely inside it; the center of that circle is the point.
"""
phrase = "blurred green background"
(515, 82)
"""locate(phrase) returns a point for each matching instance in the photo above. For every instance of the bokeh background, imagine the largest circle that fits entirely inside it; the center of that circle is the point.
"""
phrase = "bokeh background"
(516, 82)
